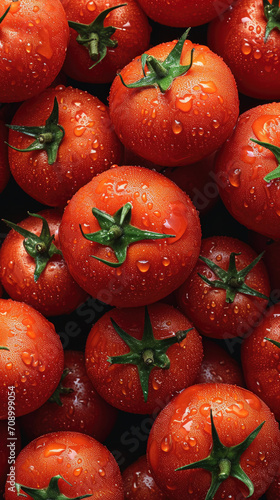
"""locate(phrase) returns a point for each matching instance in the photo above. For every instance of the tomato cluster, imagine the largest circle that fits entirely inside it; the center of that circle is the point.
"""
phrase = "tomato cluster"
(140, 228)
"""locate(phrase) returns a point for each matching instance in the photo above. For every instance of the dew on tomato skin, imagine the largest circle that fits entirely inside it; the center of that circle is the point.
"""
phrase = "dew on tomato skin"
(257, 54)
(26, 358)
(78, 471)
(215, 124)
(184, 103)
(177, 127)
(9, 366)
(208, 87)
(246, 48)
(54, 449)
(143, 265)
(166, 444)
(234, 177)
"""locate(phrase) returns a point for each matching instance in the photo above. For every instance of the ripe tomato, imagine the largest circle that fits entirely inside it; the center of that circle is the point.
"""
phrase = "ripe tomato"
(33, 41)
(86, 466)
(239, 38)
(139, 483)
(177, 120)
(242, 166)
(150, 269)
(183, 13)
(218, 366)
(150, 376)
(182, 435)
(220, 304)
(9, 447)
(74, 406)
(50, 289)
(4, 164)
(32, 358)
(126, 34)
(260, 360)
(89, 144)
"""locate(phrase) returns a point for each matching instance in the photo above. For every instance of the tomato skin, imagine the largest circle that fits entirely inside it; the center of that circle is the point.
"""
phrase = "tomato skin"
(260, 360)
(89, 145)
(152, 268)
(181, 13)
(207, 307)
(238, 37)
(273, 492)
(91, 415)
(42, 35)
(181, 434)
(91, 467)
(55, 292)
(174, 128)
(139, 483)
(4, 164)
(271, 248)
(241, 167)
(120, 384)
(132, 35)
(34, 362)
(5, 451)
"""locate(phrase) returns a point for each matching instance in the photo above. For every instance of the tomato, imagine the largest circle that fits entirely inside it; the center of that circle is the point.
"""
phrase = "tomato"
(221, 305)
(74, 406)
(241, 169)
(4, 164)
(239, 38)
(31, 358)
(33, 41)
(139, 483)
(260, 360)
(82, 144)
(31, 272)
(181, 13)
(9, 447)
(81, 461)
(182, 117)
(137, 273)
(182, 435)
(128, 34)
(146, 376)
(218, 366)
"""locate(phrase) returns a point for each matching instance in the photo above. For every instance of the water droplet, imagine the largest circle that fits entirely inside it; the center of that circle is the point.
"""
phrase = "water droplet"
(177, 127)
(9, 366)
(143, 265)
(177, 222)
(101, 472)
(166, 443)
(208, 87)
(165, 261)
(156, 384)
(184, 103)
(54, 449)
(91, 6)
(215, 123)
(238, 410)
(246, 48)
(236, 309)
(79, 130)
(121, 186)
(41, 368)
(26, 358)
(234, 177)
(248, 155)
(257, 54)
(78, 471)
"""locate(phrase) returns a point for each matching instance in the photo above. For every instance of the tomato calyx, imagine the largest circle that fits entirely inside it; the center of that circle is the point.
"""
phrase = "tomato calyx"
(275, 174)
(55, 397)
(162, 73)
(224, 461)
(146, 353)
(51, 492)
(117, 233)
(41, 248)
(272, 14)
(5, 13)
(48, 136)
(274, 342)
(95, 36)
(232, 281)
(4, 348)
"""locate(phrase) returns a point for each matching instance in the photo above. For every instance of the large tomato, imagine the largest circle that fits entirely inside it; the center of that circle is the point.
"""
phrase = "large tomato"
(33, 41)
(183, 112)
(130, 264)
(139, 483)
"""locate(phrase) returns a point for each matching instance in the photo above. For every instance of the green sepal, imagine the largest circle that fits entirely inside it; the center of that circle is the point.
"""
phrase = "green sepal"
(146, 353)
(4, 348)
(5, 13)
(224, 461)
(48, 136)
(272, 14)
(275, 174)
(95, 36)
(55, 397)
(40, 248)
(232, 281)
(274, 342)
(117, 233)
(162, 73)
(51, 492)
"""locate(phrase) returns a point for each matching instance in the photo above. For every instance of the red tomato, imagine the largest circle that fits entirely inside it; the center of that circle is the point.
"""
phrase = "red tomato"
(151, 268)
(183, 13)
(4, 164)
(218, 366)
(54, 292)
(239, 38)
(260, 360)
(185, 123)
(222, 309)
(9, 449)
(133, 387)
(181, 435)
(33, 41)
(33, 362)
(74, 406)
(139, 483)
(88, 147)
(131, 37)
(81, 460)
(242, 166)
